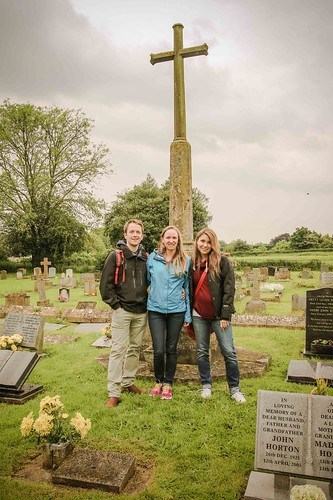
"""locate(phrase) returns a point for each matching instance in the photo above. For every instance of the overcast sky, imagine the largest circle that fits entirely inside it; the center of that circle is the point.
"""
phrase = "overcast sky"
(259, 106)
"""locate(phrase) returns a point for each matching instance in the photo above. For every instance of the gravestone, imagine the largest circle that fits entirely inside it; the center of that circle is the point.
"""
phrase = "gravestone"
(90, 288)
(52, 272)
(282, 274)
(86, 305)
(69, 273)
(308, 372)
(17, 299)
(63, 294)
(271, 270)
(30, 326)
(19, 275)
(43, 301)
(37, 272)
(298, 303)
(319, 317)
(264, 273)
(3, 274)
(255, 305)
(326, 279)
(45, 263)
(294, 442)
(22, 270)
(306, 274)
(68, 282)
(87, 277)
(103, 470)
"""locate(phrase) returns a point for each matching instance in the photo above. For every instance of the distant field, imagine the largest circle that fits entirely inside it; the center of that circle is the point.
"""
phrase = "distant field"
(313, 259)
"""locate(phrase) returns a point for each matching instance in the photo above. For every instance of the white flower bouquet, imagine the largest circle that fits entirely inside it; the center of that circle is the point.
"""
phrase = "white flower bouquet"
(307, 492)
(53, 425)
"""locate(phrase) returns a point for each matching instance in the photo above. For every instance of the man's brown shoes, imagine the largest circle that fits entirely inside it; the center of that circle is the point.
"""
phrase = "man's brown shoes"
(112, 401)
(133, 388)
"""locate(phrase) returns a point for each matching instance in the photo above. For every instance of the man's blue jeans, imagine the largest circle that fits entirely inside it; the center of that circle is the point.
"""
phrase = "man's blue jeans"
(165, 330)
(224, 337)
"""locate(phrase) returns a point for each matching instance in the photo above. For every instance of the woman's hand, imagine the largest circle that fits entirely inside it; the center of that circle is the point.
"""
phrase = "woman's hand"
(224, 324)
(186, 324)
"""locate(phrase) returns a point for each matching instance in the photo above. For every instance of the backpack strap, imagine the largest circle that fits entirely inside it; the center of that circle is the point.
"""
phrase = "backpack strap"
(120, 261)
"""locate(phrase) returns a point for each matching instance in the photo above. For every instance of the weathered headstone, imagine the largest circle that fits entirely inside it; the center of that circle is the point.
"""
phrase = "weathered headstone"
(264, 273)
(69, 273)
(19, 275)
(43, 301)
(306, 274)
(17, 299)
(319, 316)
(63, 294)
(294, 439)
(87, 277)
(3, 274)
(326, 279)
(68, 282)
(37, 271)
(45, 263)
(271, 270)
(255, 305)
(90, 288)
(282, 274)
(30, 326)
(86, 305)
(298, 303)
(52, 272)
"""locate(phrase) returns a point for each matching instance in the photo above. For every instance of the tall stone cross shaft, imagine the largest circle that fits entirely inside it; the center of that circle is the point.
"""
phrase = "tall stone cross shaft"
(180, 208)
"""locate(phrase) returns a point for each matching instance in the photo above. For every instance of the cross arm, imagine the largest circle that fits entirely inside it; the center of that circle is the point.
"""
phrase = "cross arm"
(161, 57)
(199, 50)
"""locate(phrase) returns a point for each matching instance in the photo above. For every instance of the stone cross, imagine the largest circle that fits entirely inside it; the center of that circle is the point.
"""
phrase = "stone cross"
(255, 289)
(45, 263)
(180, 209)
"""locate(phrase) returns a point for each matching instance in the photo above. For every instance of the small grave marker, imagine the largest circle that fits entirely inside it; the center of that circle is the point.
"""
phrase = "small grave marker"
(52, 272)
(45, 263)
(3, 274)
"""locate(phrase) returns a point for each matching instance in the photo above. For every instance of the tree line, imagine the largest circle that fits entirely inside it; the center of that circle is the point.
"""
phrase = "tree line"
(48, 168)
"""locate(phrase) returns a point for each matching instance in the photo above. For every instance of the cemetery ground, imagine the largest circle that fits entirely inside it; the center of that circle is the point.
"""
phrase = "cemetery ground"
(187, 448)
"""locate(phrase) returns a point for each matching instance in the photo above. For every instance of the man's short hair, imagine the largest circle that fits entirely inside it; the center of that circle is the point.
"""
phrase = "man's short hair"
(133, 221)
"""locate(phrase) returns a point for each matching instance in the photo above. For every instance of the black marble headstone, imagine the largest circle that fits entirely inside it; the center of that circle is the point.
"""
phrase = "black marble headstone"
(319, 316)
(15, 368)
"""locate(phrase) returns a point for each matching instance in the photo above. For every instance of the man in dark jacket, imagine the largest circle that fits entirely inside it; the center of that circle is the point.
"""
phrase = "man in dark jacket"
(123, 287)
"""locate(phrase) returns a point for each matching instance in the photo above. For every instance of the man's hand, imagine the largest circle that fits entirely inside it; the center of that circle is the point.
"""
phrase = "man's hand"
(224, 324)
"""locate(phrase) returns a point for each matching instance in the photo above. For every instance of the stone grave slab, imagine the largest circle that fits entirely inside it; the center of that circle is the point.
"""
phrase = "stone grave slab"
(27, 391)
(306, 372)
(90, 327)
(30, 326)
(319, 317)
(102, 342)
(59, 339)
(95, 469)
(15, 367)
(53, 327)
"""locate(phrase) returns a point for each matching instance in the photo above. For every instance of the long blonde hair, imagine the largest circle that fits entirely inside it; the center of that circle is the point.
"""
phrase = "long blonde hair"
(179, 259)
(214, 257)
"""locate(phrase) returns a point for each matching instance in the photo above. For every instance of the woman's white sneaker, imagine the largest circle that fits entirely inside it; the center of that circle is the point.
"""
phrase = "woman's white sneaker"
(239, 397)
(206, 392)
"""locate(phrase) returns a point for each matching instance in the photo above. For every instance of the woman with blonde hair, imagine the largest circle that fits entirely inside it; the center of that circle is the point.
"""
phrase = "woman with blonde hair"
(213, 305)
(168, 306)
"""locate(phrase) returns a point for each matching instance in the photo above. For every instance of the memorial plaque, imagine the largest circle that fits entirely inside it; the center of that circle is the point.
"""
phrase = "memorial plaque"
(28, 325)
(319, 315)
(15, 367)
(294, 434)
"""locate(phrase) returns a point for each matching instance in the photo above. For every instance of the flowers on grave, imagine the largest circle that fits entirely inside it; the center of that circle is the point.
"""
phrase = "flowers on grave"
(107, 331)
(11, 342)
(322, 387)
(53, 425)
(307, 492)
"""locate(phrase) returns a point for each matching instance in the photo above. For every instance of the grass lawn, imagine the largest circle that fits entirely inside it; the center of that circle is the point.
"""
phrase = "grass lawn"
(198, 449)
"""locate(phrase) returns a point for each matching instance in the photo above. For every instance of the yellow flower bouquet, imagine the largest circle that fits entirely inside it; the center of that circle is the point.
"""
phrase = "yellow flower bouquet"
(11, 342)
(53, 425)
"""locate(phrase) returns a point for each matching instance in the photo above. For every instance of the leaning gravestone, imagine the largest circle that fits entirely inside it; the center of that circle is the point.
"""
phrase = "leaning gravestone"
(16, 366)
(319, 317)
(294, 443)
(17, 299)
(30, 326)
